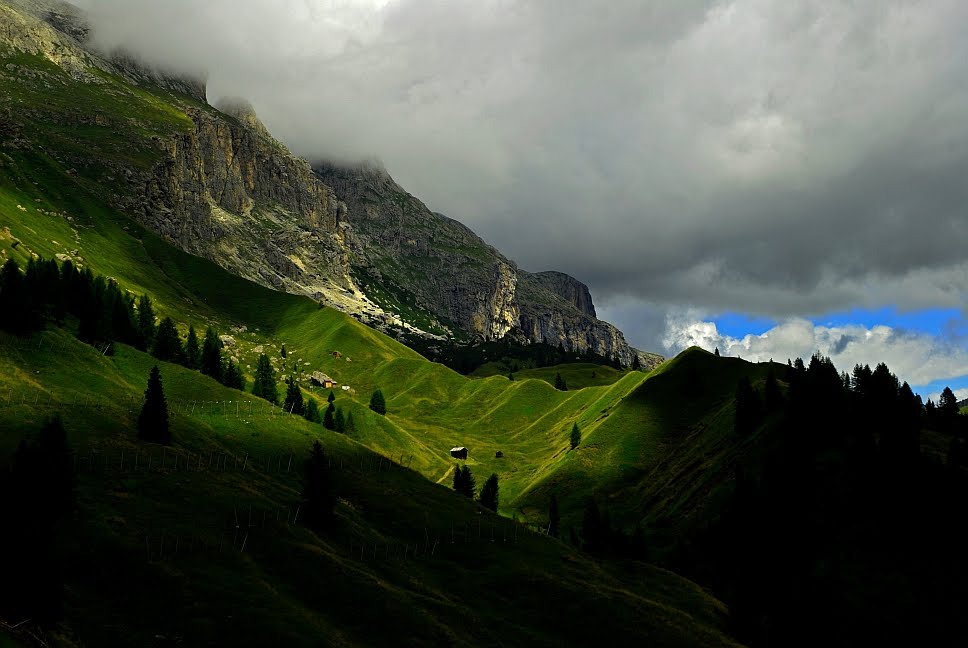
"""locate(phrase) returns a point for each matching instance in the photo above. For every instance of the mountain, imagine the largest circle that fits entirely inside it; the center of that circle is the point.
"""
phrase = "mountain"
(215, 183)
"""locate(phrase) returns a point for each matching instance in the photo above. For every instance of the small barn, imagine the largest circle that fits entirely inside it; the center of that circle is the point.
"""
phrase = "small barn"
(459, 453)
(319, 379)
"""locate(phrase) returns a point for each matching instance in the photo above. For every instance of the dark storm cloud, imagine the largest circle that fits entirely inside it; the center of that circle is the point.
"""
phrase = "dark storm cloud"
(758, 156)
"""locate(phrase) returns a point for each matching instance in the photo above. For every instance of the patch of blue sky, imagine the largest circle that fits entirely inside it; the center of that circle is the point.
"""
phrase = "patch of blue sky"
(738, 325)
(958, 385)
(940, 322)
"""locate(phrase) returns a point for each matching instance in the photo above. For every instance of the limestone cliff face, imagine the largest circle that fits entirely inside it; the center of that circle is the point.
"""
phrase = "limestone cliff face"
(226, 191)
(427, 260)
(216, 184)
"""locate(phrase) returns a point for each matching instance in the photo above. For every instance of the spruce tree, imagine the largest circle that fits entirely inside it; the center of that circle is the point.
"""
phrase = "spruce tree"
(166, 345)
(575, 435)
(318, 493)
(331, 397)
(560, 384)
(636, 363)
(468, 484)
(329, 419)
(153, 420)
(312, 411)
(458, 479)
(339, 421)
(232, 376)
(265, 380)
(146, 322)
(294, 400)
(716, 352)
(13, 299)
(554, 520)
(192, 354)
(592, 531)
(378, 403)
(350, 426)
(489, 493)
(212, 355)
(283, 353)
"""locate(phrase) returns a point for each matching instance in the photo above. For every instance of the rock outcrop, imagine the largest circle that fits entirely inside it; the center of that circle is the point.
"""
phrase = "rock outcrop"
(216, 184)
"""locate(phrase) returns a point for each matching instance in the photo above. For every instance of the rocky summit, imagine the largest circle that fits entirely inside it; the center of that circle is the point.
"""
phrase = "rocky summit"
(218, 185)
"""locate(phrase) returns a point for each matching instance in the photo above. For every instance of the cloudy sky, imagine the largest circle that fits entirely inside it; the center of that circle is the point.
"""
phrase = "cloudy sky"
(772, 178)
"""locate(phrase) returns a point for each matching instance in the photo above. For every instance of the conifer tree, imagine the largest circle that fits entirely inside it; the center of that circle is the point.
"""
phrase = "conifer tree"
(232, 376)
(212, 355)
(636, 363)
(146, 322)
(748, 407)
(331, 397)
(592, 531)
(294, 400)
(153, 420)
(458, 479)
(265, 380)
(350, 426)
(378, 403)
(716, 353)
(13, 299)
(468, 484)
(312, 411)
(560, 384)
(554, 520)
(192, 353)
(166, 345)
(339, 421)
(283, 353)
(489, 493)
(318, 493)
(575, 435)
(329, 418)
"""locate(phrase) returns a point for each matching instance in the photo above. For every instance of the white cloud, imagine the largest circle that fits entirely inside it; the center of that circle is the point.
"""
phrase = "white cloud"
(917, 358)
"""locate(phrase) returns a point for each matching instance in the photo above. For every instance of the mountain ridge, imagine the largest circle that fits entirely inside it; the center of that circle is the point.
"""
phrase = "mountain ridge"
(220, 186)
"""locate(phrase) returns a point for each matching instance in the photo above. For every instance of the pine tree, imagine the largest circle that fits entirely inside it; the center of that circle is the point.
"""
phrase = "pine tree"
(331, 397)
(458, 479)
(283, 353)
(636, 363)
(464, 481)
(554, 520)
(592, 532)
(489, 493)
(560, 384)
(153, 420)
(329, 419)
(575, 435)
(318, 494)
(13, 299)
(312, 411)
(192, 353)
(748, 407)
(378, 403)
(265, 380)
(339, 421)
(948, 411)
(350, 426)
(212, 355)
(146, 322)
(232, 376)
(294, 400)
(166, 345)
(716, 353)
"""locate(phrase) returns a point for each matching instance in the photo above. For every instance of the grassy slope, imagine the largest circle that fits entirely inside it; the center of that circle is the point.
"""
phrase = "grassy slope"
(576, 375)
(289, 583)
(431, 408)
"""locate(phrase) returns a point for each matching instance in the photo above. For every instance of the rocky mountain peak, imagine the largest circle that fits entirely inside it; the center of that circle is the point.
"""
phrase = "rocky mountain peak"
(242, 110)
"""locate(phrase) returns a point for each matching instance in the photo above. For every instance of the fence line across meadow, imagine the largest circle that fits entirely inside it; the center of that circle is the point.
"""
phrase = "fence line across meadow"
(247, 525)
(245, 409)
(163, 459)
